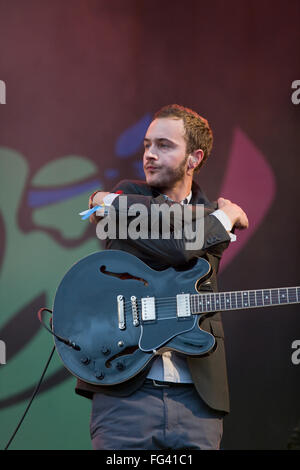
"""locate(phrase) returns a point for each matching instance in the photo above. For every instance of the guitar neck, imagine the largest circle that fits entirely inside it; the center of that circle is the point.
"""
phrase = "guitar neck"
(237, 300)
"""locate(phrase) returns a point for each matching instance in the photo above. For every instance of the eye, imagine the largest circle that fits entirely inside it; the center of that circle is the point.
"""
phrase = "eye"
(162, 145)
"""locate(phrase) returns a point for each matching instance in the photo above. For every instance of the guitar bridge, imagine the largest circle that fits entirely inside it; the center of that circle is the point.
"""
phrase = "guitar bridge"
(121, 312)
(135, 313)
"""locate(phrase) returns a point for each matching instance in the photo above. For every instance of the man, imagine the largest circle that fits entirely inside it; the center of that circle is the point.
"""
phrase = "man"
(178, 402)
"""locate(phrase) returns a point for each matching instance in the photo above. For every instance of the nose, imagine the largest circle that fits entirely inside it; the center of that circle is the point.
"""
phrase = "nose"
(149, 153)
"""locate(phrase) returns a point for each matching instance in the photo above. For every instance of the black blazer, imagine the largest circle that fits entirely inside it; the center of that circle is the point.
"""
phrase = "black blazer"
(209, 373)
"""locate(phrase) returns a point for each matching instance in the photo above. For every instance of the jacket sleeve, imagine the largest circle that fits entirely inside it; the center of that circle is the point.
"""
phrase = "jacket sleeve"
(173, 249)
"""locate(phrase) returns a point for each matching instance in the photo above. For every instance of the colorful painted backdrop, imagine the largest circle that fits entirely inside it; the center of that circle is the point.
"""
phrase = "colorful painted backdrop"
(83, 80)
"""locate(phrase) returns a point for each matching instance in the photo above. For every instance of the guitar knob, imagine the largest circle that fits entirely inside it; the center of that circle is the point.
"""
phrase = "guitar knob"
(100, 375)
(105, 351)
(85, 360)
(120, 366)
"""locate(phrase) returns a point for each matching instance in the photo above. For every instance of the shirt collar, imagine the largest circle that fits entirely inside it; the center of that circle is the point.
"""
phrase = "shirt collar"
(184, 201)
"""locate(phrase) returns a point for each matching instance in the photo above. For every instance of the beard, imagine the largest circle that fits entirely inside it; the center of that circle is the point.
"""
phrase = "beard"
(166, 178)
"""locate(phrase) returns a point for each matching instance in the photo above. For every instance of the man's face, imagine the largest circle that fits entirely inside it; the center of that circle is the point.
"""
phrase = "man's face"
(165, 158)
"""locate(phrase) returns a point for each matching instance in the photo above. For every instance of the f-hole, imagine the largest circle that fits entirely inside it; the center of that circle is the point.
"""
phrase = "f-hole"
(122, 276)
(127, 351)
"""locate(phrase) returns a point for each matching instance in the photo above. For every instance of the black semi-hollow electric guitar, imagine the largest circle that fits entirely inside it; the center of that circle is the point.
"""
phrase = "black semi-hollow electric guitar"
(112, 314)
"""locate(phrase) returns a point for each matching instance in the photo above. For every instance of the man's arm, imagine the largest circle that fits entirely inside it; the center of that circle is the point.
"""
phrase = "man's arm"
(216, 237)
(237, 216)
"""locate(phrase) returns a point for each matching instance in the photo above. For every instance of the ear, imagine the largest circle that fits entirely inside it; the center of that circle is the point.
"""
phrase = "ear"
(195, 159)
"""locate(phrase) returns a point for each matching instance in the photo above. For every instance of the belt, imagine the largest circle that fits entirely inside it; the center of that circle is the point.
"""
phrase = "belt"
(160, 384)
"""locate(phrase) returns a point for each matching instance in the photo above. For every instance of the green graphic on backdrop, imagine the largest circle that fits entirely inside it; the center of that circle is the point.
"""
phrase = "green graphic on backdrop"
(33, 261)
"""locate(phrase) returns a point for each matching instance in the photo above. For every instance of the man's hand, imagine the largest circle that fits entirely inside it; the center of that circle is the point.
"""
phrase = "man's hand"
(97, 200)
(236, 215)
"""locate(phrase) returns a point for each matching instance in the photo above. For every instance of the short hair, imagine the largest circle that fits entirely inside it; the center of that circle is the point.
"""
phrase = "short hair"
(198, 134)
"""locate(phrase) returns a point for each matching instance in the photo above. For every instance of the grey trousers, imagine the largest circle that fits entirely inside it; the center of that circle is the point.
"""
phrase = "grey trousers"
(155, 418)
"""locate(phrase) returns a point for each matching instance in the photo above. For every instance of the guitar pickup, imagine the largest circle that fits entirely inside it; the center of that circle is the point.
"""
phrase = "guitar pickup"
(148, 308)
(183, 305)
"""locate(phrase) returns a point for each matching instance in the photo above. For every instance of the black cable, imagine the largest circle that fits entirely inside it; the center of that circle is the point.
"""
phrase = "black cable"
(31, 400)
(60, 338)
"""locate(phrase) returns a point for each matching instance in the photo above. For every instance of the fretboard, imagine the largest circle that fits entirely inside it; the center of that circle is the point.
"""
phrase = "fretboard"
(220, 301)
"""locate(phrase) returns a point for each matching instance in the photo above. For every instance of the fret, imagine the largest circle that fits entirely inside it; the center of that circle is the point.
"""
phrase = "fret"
(239, 302)
(267, 298)
(245, 299)
(292, 296)
(227, 300)
(252, 299)
(208, 305)
(283, 296)
(259, 298)
(217, 297)
(192, 303)
(274, 297)
(222, 301)
(199, 303)
(203, 303)
(233, 299)
(212, 300)
(298, 294)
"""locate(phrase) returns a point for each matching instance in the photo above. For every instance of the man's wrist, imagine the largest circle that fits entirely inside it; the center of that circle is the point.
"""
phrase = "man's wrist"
(225, 221)
(108, 200)
(92, 197)
(223, 218)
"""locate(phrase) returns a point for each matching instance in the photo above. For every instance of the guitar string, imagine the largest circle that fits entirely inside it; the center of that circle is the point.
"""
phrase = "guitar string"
(211, 306)
(211, 298)
(129, 313)
(208, 305)
(184, 318)
(213, 301)
(225, 295)
(218, 303)
(250, 291)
